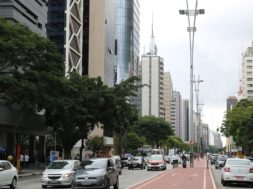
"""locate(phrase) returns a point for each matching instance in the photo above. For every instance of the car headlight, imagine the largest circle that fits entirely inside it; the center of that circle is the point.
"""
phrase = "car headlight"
(66, 175)
(102, 177)
(44, 175)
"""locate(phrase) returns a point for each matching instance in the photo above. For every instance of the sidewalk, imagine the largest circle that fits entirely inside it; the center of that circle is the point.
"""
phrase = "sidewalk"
(30, 171)
(196, 177)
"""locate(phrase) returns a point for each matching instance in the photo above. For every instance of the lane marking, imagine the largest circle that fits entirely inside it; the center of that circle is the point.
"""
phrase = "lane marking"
(204, 183)
(155, 177)
(214, 185)
(28, 180)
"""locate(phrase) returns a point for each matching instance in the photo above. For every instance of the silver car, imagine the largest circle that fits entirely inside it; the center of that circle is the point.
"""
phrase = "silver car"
(96, 173)
(59, 173)
(237, 170)
(8, 174)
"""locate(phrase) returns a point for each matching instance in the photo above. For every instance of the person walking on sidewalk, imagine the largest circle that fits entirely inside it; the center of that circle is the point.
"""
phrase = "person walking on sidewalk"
(22, 161)
(26, 160)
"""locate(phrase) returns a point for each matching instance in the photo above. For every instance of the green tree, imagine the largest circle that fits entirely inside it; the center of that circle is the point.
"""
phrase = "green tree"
(155, 130)
(134, 141)
(95, 144)
(238, 123)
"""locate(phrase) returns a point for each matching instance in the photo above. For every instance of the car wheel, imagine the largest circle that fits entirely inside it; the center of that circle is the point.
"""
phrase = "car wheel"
(13, 184)
(116, 186)
(44, 186)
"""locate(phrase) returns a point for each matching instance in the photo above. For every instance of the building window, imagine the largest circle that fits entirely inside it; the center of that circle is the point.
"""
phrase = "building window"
(249, 61)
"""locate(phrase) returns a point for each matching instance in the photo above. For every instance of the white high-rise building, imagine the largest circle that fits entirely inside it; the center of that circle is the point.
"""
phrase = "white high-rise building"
(246, 88)
(185, 120)
(152, 76)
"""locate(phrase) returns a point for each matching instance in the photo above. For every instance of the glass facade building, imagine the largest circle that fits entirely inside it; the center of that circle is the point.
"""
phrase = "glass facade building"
(127, 14)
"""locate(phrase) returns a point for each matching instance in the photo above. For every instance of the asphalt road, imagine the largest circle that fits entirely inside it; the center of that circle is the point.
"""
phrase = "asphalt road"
(126, 180)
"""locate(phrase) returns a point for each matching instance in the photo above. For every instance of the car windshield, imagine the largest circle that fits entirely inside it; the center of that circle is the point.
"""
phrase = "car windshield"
(135, 159)
(59, 165)
(238, 162)
(156, 158)
(222, 158)
(93, 164)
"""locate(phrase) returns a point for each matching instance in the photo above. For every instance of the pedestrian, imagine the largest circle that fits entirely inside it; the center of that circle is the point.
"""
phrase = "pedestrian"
(22, 161)
(26, 160)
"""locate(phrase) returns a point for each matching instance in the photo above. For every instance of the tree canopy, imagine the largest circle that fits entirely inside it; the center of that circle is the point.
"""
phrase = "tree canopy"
(238, 123)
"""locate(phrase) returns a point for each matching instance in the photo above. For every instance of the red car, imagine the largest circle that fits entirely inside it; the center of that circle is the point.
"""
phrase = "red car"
(156, 162)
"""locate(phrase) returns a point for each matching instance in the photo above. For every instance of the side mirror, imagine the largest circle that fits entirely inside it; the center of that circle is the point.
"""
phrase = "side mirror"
(110, 168)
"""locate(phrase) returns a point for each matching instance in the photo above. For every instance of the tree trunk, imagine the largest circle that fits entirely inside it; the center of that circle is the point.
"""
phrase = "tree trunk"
(81, 150)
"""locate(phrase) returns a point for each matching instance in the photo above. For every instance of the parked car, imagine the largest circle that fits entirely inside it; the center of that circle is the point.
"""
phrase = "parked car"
(137, 162)
(175, 159)
(220, 162)
(237, 170)
(59, 173)
(96, 173)
(156, 162)
(117, 163)
(8, 174)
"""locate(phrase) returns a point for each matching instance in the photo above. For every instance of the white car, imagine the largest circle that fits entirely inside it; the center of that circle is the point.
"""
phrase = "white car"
(237, 170)
(8, 174)
(59, 173)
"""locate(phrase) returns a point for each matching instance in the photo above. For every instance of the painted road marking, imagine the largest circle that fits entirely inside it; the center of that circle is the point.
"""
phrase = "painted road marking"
(151, 179)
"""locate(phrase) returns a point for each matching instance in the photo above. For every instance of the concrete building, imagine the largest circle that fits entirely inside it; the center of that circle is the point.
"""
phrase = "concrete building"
(176, 113)
(17, 128)
(168, 86)
(246, 88)
(152, 75)
(32, 14)
(185, 120)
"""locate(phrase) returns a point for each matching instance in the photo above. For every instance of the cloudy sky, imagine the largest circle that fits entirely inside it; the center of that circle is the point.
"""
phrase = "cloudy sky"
(223, 33)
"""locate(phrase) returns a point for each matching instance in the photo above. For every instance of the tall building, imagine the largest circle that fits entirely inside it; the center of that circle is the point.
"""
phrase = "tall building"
(152, 74)
(32, 14)
(246, 88)
(23, 133)
(176, 113)
(168, 87)
(127, 21)
(185, 120)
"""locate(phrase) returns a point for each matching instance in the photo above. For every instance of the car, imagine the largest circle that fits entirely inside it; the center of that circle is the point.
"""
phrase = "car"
(8, 174)
(124, 161)
(213, 159)
(237, 170)
(175, 159)
(220, 162)
(59, 173)
(96, 173)
(156, 162)
(137, 162)
(117, 163)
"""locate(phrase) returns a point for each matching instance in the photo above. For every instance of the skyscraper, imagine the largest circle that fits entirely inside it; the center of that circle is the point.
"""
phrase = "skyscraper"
(167, 96)
(176, 113)
(127, 38)
(152, 75)
(32, 14)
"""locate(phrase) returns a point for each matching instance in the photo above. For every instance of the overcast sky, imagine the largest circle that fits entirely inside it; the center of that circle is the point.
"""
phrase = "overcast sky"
(223, 33)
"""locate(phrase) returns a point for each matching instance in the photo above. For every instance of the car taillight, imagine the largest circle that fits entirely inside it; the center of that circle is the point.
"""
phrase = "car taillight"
(251, 170)
(226, 169)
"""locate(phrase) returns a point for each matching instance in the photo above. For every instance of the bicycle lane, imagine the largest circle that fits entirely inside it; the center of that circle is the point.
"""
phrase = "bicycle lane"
(197, 177)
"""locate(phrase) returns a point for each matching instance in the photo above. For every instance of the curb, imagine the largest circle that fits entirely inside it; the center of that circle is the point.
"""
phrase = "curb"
(29, 174)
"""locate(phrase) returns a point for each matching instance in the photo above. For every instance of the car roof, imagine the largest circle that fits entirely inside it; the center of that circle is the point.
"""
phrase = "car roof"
(66, 160)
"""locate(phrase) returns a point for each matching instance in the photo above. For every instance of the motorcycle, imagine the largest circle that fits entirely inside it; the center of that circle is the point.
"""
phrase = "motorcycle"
(184, 163)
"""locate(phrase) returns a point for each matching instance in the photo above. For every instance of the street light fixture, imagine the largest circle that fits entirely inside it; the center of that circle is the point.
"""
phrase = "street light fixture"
(191, 29)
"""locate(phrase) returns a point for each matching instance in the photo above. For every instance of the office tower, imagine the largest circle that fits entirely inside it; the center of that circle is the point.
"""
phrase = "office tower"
(152, 75)
(167, 96)
(32, 14)
(176, 113)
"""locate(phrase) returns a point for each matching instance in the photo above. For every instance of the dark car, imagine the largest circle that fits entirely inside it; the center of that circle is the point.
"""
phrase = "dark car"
(213, 159)
(137, 162)
(220, 162)
(96, 173)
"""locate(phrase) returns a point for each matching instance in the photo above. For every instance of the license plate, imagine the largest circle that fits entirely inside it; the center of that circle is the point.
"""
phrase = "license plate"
(86, 183)
(53, 182)
(239, 178)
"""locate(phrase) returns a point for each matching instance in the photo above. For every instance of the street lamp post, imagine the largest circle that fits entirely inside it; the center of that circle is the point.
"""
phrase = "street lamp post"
(191, 29)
